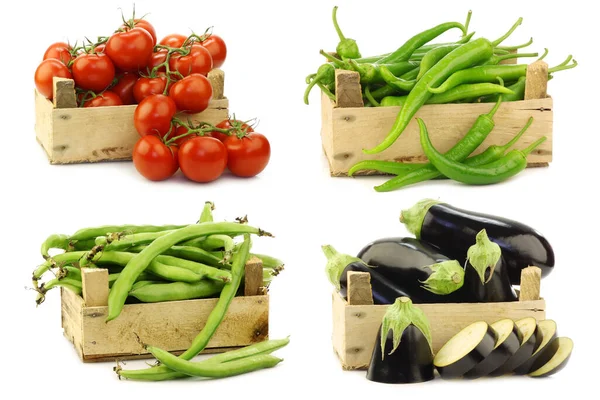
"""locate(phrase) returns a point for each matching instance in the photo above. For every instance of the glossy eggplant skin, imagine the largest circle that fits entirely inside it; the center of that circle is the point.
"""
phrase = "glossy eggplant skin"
(521, 356)
(403, 261)
(411, 362)
(453, 230)
(497, 289)
(384, 291)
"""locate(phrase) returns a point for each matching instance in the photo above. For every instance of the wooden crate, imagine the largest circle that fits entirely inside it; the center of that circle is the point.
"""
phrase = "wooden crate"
(348, 127)
(355, 324)
(75, 135)
(170, 325)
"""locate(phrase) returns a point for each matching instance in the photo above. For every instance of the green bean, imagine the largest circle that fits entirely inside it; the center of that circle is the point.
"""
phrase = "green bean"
(206, 215)
(158, 292)
(54, 242)
(55, 261)
(70, 272)
(231, 368)
(268, 261)
(212, 323)
(140, 262)
(266, 347)
(203, 270)
(92, 233)
(70, 284)
(78, 245)
(144, 277)
(190, 253)
(117, 241)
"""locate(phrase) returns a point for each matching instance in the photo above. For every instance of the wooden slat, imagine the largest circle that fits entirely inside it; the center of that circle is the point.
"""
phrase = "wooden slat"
(536, 81)
(64, 93)
(348, 92)
(253, 278)
(530, 284)
(359, 288)
(43, 122)
(94, 286)
(71, 318)
(217, 81)
(349, 130)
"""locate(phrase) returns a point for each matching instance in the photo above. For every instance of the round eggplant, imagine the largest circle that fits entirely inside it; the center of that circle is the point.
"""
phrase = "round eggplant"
(338, 265)
(486, 277)
(419, 269)
(402, 351)
(544, 351)
(508, 341)
(465, 350)
(564, 347)
(453, 230)
(530, 338)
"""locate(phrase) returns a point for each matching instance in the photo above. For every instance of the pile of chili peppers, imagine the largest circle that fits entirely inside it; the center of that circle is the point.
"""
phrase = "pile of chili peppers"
(419, 73)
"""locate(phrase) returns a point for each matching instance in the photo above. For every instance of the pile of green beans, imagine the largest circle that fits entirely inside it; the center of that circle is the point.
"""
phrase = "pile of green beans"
(197, 266)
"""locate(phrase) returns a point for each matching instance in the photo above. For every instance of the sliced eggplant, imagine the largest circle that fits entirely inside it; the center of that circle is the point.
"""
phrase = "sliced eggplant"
(418, 268)
(486, 277)
(465, 350)
(453, 230)
(402, 351)
(544, 351)
(564, 347)
(508, 341)
(530, 338)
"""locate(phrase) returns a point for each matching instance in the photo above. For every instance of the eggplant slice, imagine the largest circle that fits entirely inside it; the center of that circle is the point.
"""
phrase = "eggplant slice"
(508, 341)
(530, 338)
(564, 347)
(465, 350)
(544, 351)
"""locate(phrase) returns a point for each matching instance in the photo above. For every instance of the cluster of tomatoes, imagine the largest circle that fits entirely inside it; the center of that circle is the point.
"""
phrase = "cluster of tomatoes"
(163, 78)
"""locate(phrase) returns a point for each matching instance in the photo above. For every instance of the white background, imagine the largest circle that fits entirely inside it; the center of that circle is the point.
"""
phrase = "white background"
(272, 47)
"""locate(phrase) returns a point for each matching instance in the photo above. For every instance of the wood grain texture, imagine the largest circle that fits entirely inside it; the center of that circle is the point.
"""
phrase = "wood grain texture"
(64, 93)
(359, 288)
(348, 92)
(530, 284)
(355, 327)
(71, 318)
(253, 278)
(346, 131)
(217, 81)
(536, 81)
(77, 135)
(94, 286)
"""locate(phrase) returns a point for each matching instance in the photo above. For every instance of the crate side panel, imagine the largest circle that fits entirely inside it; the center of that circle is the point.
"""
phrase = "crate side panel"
(43, 122)
(71, 311)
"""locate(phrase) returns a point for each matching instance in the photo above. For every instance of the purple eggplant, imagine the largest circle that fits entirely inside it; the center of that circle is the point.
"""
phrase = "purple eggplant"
(403, 351)
(453, 230)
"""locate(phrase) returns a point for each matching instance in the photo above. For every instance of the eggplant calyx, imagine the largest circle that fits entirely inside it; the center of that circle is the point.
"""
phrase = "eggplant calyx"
(483, 255)
(398, 317)
(413, 217)
(336, 263)
(447, 277)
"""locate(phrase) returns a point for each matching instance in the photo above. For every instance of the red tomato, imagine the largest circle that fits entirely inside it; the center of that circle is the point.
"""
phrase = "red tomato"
(173, 40)
(156, 59)
(145, 87)
(153, 115)
(238, 126)
(124, 87)
(131, 49)
(192, 94)
(93, 71)
(44, 73)
(217, 49)
(249, 155)
(104, 99)
(198, 61)
(142, 23)
(202, 159)
(153, 159)
(60, 51)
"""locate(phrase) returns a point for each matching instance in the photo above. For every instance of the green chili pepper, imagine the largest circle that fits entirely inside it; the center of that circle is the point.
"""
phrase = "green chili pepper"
(495, 59)
(458, 93)
(461, 150)
(407, 49)
(158, 292)
(507, 166)
(325, 76)
(346, 48)
(370, 97)
(397, 83)
(387, 167)
(215, 317)
(517, 47)
(371, 73)
(462, 57)
(433, 56)
(481, 74)
(387, 90)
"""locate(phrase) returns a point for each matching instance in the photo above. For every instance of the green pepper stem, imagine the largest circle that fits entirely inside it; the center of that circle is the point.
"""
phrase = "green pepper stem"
(326, 91)
(514, 140)
(336, 25)
(496, 107)
(413, 217)
(400, 316)
(370, 97)
(517, 47)
(467, 23)
(563, 66)
(507, 34)
(543, 55)
(534, 145)
(336, 263)
(483, 255)
(515, 55)
(334, 60)
(447, 277)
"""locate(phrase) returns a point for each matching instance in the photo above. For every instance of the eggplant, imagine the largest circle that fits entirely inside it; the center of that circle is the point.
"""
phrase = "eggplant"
(564, 348)
(486, 278)
(508, 341)
(544, 351)
(385, 291)
(530, 339)
(453, 230)
(403, 351)
(338, 266)
(465, 350)
(418, 268)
